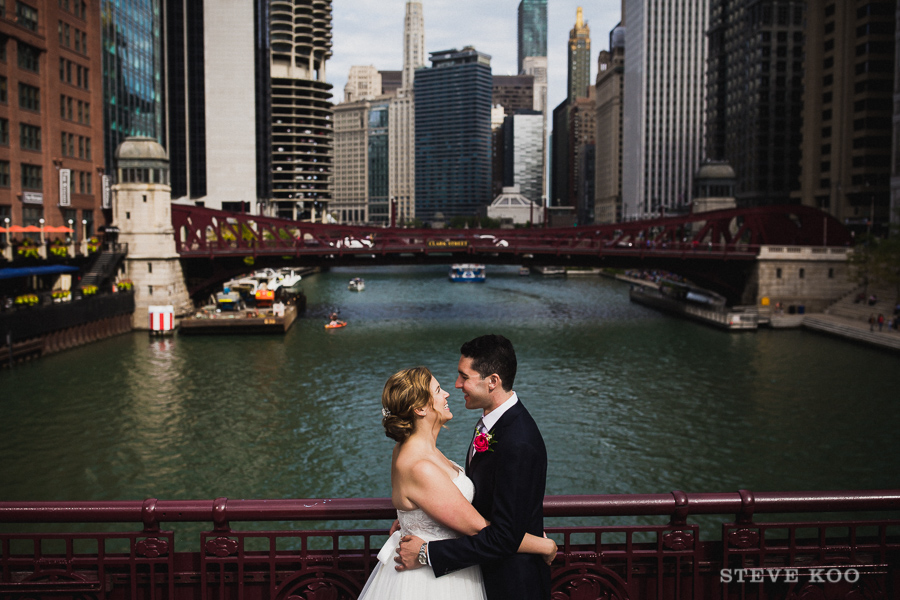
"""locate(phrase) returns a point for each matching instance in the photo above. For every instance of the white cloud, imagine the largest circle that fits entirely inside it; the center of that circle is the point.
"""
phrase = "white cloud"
(370, 32)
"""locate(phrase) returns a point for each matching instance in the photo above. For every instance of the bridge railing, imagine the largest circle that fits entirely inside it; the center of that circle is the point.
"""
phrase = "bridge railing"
(746, 556)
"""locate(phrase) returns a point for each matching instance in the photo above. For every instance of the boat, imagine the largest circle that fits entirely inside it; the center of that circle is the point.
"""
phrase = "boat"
(335, 324)
(551, 271)
(467, 272)
(281, 283)
(356, 284)
(524, 271)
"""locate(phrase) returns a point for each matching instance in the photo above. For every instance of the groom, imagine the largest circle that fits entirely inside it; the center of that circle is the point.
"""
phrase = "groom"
(509, 469)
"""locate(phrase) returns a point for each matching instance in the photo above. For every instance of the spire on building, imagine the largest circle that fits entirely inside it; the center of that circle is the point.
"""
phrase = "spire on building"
(413, 43)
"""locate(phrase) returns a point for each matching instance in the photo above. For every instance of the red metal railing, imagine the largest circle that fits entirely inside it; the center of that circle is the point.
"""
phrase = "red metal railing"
(851, 558)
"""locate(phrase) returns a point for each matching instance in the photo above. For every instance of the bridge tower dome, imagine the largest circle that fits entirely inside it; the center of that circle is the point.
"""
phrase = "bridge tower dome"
(142, 211)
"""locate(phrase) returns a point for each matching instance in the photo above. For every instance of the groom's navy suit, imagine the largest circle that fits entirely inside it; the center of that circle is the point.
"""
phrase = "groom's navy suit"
(509, 493)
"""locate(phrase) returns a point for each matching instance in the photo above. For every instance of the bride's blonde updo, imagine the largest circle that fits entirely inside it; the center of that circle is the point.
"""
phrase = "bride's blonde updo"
(404, 392)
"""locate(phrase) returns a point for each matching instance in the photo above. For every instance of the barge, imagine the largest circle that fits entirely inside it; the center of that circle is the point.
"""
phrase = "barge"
(693, 303)
(248, 320)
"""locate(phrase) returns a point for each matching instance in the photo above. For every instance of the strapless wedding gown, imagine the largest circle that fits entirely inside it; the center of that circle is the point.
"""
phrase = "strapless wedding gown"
(386, 583)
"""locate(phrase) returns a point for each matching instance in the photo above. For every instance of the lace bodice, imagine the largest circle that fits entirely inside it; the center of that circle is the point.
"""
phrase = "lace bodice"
(416, 522)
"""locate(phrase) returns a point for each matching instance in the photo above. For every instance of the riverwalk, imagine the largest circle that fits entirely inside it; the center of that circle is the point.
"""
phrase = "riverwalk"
(848, 318)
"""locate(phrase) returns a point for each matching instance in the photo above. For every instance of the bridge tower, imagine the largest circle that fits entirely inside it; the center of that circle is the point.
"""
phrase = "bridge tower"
(142, 211)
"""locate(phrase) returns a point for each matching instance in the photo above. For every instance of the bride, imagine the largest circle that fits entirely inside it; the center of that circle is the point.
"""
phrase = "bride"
(431, 493)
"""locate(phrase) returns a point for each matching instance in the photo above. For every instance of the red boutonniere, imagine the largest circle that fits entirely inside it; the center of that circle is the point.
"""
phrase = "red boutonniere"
(483, 442)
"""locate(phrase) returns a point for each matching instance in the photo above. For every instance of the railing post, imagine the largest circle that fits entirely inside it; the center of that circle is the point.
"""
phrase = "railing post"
(148, 515)
(679, 515)
(748, 502)
(220, 520)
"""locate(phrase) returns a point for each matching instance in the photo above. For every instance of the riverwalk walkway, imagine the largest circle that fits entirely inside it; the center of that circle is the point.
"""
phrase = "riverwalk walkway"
(847, 318)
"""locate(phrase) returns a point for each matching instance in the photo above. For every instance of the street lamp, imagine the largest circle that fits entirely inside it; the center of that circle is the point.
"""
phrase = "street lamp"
(6, 222)
(41, 221)
(84, 235)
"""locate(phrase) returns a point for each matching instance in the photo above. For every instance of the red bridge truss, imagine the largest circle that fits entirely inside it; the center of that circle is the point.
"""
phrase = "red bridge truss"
(738, 232)
(712, 237)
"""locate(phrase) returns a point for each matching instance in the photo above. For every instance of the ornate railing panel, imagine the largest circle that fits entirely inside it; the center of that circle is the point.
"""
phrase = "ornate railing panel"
(850, 558)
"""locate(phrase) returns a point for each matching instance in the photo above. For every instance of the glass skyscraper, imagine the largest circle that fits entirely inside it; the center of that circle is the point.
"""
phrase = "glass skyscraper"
(379, 200)
(132, 73)
(453, 135)
(532, 29)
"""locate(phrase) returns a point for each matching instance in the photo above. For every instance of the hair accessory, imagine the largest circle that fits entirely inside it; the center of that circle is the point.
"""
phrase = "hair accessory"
(385, 412)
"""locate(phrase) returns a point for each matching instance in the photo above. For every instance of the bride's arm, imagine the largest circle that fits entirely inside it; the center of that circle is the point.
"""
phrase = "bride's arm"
(435, 493)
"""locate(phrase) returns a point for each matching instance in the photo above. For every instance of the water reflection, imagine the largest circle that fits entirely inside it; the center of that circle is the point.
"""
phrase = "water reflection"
(629, 401)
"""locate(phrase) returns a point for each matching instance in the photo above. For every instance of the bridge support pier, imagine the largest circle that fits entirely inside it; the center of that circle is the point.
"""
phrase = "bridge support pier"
(810, 276)
(142, 211)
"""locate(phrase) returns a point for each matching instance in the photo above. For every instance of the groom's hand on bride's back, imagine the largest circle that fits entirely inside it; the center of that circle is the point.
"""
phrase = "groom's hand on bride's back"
(408, 553)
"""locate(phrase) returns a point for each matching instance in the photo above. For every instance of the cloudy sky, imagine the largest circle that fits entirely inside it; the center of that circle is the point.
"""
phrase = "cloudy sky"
(370, 32)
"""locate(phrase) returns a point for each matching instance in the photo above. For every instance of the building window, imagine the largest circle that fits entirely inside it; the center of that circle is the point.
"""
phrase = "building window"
(4, 132)
(831, 273)
(3, 89)
(29, 97)
(4, 173)
(778, 273)
(26, 16)
(802, 273)
(29, 58)
(32, 177)
(29, 137)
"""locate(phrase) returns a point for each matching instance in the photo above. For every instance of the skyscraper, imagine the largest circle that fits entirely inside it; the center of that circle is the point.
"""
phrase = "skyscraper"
(849, 75)
(579, 60)
(523, 154)
(532, 30)
(665, 75)
(402, 118)
(533, 61)
(217, 101)
(608, 128)
(755, 96)
(453, 135)
(132, 74)
(302, 133)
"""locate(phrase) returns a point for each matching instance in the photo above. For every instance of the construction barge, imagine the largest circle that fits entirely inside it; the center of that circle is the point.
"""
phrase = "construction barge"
(265, 302)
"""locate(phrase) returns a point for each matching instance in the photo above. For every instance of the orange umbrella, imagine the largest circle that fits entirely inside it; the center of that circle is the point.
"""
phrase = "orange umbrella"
(60, 229)
(31, 229)
(19, 229)
(3, 230)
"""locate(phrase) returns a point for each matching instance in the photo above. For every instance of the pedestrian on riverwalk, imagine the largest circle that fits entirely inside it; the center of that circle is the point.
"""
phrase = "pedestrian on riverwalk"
(880, 321)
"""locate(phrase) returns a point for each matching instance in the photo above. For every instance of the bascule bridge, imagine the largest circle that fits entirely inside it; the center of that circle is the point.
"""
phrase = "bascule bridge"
(793, 255)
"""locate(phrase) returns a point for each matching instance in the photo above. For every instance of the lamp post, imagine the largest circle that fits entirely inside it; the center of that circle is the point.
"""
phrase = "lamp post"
(41, 221)
(8, 249)
(72, 235)
(84, 237)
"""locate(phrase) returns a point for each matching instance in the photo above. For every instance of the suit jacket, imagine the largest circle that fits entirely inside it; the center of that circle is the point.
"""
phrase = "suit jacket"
(509, 493)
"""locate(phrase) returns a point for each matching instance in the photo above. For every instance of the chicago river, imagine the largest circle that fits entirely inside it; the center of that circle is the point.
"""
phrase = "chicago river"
(629, 400)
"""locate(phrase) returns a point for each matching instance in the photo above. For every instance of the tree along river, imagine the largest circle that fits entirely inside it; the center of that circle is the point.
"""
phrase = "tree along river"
(628, 400)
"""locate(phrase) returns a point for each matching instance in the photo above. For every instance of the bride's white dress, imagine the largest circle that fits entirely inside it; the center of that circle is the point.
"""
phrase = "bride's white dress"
(387, 583)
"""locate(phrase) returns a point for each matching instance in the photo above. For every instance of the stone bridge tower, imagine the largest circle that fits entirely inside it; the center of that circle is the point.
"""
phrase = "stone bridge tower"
(142, 211)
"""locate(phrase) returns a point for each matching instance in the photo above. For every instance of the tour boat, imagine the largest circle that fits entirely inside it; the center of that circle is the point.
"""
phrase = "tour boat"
(467, 272)
(356, 285)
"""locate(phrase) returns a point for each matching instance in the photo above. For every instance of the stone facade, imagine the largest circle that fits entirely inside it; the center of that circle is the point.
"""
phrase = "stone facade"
(797, 276)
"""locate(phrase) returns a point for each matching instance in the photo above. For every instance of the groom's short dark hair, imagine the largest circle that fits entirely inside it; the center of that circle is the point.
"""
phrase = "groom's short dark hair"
(492, 354)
